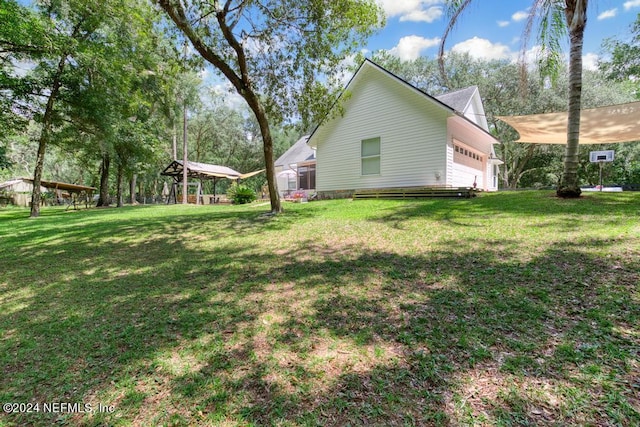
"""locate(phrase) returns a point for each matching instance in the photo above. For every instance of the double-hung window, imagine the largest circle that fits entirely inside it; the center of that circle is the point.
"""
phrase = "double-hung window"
(370, 155)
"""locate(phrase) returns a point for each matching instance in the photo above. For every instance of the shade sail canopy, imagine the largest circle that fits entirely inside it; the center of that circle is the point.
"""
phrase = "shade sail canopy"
(603, 125)
(205, 171)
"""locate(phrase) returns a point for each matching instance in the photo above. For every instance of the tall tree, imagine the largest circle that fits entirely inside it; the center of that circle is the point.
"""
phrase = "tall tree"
(557, 18)
(274, 51)
(109, 75)
(74, 24)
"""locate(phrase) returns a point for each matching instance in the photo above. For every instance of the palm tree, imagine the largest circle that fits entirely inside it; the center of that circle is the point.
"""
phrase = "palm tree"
(557, 18)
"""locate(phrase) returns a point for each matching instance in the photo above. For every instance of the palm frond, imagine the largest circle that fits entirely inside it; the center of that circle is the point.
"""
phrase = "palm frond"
(552, 31)
(453, 9)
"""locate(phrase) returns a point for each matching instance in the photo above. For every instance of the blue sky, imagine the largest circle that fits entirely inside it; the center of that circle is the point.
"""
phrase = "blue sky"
(489, 28)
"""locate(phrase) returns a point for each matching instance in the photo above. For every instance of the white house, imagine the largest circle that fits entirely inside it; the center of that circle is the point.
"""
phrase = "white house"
(393, 135)
(296, 169)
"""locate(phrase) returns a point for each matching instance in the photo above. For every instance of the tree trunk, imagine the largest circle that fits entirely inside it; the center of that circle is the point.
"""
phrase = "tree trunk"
(132, 187)
(103, 200)
(241, 81)
(36, 197)
(175, 141)
(576, 21)
(119, 195)
(185, 162)
(267, 147)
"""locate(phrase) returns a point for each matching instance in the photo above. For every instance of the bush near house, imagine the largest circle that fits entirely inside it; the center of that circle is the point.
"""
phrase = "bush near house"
(240, 194)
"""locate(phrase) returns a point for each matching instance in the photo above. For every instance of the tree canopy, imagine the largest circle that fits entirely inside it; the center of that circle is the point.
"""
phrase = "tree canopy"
(624, 61)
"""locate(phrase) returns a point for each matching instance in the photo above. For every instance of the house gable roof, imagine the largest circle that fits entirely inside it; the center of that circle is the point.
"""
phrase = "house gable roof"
(459, 100)
(298, 152)
(464, 96)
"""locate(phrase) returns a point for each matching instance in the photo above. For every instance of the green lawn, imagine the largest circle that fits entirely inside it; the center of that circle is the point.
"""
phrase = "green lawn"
(506, 309)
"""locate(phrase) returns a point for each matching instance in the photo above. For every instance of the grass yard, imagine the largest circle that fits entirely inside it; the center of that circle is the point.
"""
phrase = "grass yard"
(507, 309)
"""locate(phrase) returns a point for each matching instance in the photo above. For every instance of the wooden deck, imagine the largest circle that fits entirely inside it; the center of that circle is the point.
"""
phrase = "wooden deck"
(416, 193)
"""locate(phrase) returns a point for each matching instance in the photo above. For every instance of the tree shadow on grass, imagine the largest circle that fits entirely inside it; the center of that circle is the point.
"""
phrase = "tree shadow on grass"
(542, 206)
(404, 351)
(235, 334)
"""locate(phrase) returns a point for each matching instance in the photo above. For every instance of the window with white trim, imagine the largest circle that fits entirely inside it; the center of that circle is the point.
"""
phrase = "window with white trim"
(370, 156)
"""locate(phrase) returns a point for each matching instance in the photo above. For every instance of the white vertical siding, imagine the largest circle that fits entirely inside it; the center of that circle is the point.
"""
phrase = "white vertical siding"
(412, 131)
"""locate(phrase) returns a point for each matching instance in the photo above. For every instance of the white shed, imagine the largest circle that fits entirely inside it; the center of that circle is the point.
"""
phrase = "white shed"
(393, 135)
(18, 191)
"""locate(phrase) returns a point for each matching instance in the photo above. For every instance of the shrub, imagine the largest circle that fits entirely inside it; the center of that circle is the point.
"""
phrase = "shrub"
(240, 194)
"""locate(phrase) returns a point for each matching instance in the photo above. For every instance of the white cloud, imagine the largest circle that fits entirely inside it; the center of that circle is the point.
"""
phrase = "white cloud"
(611, 13)
(520, 16)
(590, 61)
(531, 56)
(483, 49)
(432, 14)
(503, 23)
(411, 47)
(631, 4)
(413, 10)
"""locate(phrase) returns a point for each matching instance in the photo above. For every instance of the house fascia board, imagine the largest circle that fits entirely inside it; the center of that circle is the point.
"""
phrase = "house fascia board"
(466, 122)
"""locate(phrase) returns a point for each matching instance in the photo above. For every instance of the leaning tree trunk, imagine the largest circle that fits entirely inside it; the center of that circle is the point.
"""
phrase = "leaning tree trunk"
(576, 20)
(103, 200)
(267, 148)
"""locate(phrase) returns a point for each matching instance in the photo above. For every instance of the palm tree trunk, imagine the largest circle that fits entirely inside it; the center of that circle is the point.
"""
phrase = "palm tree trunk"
(576, 21)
